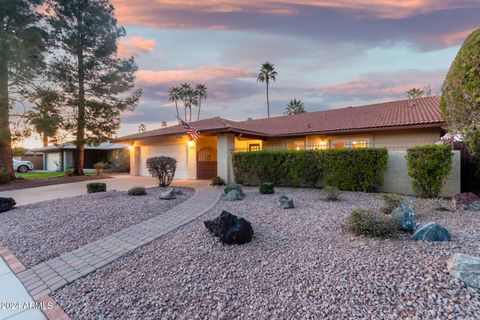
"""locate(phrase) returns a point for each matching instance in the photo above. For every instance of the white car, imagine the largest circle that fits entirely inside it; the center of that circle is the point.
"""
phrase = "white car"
(22, 166)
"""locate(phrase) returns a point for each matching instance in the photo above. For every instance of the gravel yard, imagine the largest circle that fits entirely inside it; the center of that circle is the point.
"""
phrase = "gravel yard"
(300, 265)
(44, 230)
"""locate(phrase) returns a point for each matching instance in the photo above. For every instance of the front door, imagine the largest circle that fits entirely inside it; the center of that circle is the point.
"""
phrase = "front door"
(206, 163)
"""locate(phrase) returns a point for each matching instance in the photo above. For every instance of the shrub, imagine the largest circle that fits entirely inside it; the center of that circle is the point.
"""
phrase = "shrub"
(234, 186)
(69, 172)
(99, 166)
(346, 169)
(428, 166)
(371, 224)
(162, 168)
(94, 187)
(390, 202)
(217, 181)
(331, 193)
(4, 177)
(267, 188)
(137, 191)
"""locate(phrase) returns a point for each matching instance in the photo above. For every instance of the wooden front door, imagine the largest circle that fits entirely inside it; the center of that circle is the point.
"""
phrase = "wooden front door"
(206, 163)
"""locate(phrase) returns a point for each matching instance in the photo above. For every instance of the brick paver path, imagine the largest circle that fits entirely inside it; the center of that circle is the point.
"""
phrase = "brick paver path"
(55, 273)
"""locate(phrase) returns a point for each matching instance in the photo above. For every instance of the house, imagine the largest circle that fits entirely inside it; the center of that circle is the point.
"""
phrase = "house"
(34, 157)
(395, 125)
(61, 157)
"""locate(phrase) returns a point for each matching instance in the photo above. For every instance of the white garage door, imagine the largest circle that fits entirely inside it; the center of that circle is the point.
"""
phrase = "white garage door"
(53, 161)
(178, 152)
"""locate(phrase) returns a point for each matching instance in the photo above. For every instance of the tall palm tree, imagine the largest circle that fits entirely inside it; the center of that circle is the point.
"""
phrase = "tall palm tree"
(201, 93)
(185, 93)
(415, 93)
(267, 73)
(175, 94)
(295, 107)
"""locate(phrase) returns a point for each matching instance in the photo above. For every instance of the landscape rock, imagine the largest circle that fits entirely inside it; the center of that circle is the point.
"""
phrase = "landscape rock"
(178, 192)
(233, 195)
(474, 206)
(465, 268)
(461, 200)
(230, 229)
(7, 204)
(431, 232)
(285, 202)
(169, 194)
(404, 215)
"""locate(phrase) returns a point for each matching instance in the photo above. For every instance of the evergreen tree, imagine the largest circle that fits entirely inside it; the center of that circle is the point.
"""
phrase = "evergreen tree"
(45, 116)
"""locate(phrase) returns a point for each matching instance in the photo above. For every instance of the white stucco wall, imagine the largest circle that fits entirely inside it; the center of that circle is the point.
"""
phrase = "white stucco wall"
(397, 179)
(225, 145)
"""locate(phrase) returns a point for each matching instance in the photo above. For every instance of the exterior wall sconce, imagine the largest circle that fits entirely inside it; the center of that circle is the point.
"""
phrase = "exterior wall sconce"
(191, 144)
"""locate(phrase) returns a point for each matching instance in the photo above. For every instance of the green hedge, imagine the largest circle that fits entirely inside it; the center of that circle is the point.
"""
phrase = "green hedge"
(428, 166)
(346, 169)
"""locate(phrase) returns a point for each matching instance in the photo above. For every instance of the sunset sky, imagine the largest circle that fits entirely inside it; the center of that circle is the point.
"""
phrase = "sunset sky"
(329, 54)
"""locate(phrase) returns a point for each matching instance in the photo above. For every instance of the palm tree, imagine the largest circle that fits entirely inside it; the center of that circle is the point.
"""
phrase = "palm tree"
(415, 93)
(174, 94)
(267, 73)
(185, 94)
(295, 107)
(201, 93)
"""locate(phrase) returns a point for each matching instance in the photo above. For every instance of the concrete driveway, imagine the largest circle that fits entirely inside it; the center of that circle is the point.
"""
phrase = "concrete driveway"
(120, 182)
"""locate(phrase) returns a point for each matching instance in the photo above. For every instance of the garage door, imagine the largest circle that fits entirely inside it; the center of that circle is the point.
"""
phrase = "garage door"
(178, 152)
(53, 161)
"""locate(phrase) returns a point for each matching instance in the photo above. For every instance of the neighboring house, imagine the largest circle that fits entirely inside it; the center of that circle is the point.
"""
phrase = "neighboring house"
(395, 125)
(61, 157)
(34, 157)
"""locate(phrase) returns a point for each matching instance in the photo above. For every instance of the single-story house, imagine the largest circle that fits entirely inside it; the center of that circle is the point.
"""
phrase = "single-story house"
(395, 125)
(61, 157)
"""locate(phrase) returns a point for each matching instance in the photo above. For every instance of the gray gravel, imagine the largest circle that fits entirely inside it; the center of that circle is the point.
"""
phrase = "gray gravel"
(40, 231)
(300, 265)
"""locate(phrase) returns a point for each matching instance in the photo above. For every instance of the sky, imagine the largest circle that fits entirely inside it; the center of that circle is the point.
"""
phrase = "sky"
(329, 54)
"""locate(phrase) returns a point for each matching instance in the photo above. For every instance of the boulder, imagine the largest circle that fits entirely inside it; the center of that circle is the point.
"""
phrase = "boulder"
(474, 206)
(461, 200)
(285, 202)
(404, 215)
(233, 195)
(169, 194)
(179, 192)
(465, 268)
(7, 204)
(230, 229)
(431, 232)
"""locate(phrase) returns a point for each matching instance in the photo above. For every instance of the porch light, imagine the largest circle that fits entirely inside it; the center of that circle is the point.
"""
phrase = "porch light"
(191, 143)
(131, 148)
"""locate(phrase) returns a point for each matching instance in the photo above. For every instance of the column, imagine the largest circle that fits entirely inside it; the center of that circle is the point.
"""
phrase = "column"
(225, 145)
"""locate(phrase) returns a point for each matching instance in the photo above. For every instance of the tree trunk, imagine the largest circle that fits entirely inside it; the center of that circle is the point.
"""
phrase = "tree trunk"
(6, 163)
(45, 140)
(80, 141)
(199, 106)
(178, 114)
(268, 103)
(185, 113)
(190, 119)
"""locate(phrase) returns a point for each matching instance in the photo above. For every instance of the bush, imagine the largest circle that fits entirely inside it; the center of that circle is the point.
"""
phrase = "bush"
(234, 186)
(267, 188)
(390, 202)
(346, 169)
(428, 166)
(162, 168)
(137, 191)
(69, 172)
(99, 166)
(217, 181)
(371, 224)
(4, 177)
(331, 193)
(94, 187)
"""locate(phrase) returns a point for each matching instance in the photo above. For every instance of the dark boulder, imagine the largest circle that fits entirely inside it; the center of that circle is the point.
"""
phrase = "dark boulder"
(431, 232)
(285, 202)
(7, 204)
(230, 229)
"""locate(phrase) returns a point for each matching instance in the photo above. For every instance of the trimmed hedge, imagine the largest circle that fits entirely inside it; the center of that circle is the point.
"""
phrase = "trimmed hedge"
(267, 188)
(369, 223)
(346, 169)
(94, 187)
(428, 166)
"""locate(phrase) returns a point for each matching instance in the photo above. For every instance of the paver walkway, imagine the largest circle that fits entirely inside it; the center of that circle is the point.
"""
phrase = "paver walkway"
(55, 273)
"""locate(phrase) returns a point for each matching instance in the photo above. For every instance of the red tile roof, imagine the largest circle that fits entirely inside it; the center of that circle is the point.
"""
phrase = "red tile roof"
(422, 112)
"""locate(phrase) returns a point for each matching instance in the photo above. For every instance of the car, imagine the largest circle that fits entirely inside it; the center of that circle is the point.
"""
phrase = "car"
(22, 166)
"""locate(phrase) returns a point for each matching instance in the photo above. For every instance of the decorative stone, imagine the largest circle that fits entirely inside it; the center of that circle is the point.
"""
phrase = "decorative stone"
(461, 200)
(234, 186)
(137, 191)
(465, 268)
(431, 232)
(7, 204)
(233, 195)
(404, 215)
(179, 192)
(169, 194)
(230, 229)
(474, 206)
(285, 202)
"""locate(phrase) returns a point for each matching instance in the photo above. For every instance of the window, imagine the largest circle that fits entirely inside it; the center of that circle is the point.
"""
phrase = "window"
(339, 144)
(358, 144)
(349, 143)
(254, 147)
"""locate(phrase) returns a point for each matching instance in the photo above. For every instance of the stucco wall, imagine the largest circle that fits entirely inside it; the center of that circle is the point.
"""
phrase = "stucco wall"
(404, 139)
(397, 179)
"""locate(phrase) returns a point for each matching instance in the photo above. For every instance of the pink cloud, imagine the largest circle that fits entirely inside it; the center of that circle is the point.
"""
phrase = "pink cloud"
(202, 74)
(135, 46)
